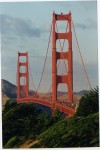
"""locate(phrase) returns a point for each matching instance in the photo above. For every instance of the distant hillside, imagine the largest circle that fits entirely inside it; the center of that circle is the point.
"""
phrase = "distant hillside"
(80, 93)
(8, 89)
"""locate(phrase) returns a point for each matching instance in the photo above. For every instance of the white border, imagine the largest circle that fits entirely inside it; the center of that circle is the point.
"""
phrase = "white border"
(98, 14)
(41, 0)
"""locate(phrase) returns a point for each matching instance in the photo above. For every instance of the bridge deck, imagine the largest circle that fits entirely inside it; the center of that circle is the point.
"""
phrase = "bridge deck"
(68, 110)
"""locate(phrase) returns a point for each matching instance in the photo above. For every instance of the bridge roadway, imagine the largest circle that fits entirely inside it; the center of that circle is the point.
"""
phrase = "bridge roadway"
(67, 110)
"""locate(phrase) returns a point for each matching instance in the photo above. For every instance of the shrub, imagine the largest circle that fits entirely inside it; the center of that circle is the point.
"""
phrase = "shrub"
(13, 141)
(88, 104)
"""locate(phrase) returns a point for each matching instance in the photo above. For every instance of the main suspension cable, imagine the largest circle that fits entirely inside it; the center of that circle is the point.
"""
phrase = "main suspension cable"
(45, 60)
(81, 56)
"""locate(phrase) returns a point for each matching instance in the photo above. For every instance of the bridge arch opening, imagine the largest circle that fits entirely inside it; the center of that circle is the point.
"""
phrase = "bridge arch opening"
(22, 80)
(22, 69)
(62, 92)
(61, 26)
(62, 67)
(62, 45)
(22, 59)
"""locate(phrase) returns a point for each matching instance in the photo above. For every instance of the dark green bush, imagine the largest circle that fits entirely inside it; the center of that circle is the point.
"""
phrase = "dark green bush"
(13, 141)
(24, 120)
(88, 104)
(73, 132)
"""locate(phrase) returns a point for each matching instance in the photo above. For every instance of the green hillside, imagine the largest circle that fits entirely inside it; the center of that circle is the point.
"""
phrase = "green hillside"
(75, 132)
(24, 123)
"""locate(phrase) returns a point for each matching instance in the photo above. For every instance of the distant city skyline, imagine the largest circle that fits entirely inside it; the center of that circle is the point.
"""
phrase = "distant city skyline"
(25, 27)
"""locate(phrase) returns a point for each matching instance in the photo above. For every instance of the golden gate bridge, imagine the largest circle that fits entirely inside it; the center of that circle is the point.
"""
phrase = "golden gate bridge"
(23, 92)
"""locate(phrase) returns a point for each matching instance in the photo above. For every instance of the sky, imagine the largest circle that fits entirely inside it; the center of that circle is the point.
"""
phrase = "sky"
(25, 26)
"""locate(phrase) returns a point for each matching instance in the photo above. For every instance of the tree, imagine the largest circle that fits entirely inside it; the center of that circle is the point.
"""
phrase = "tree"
(23, 120)
(58, 116)
(89, 103)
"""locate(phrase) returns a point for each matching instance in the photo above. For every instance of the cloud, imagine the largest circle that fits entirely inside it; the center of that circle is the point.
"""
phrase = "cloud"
(18, 26)
(88, 5)
(91, 25)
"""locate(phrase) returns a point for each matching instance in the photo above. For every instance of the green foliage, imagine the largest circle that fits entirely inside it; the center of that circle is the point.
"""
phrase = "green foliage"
(23, 120)
(74, 132)
(9, 104)
(88, 104)
(58, 116)
(13, 141)
(82, 130)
